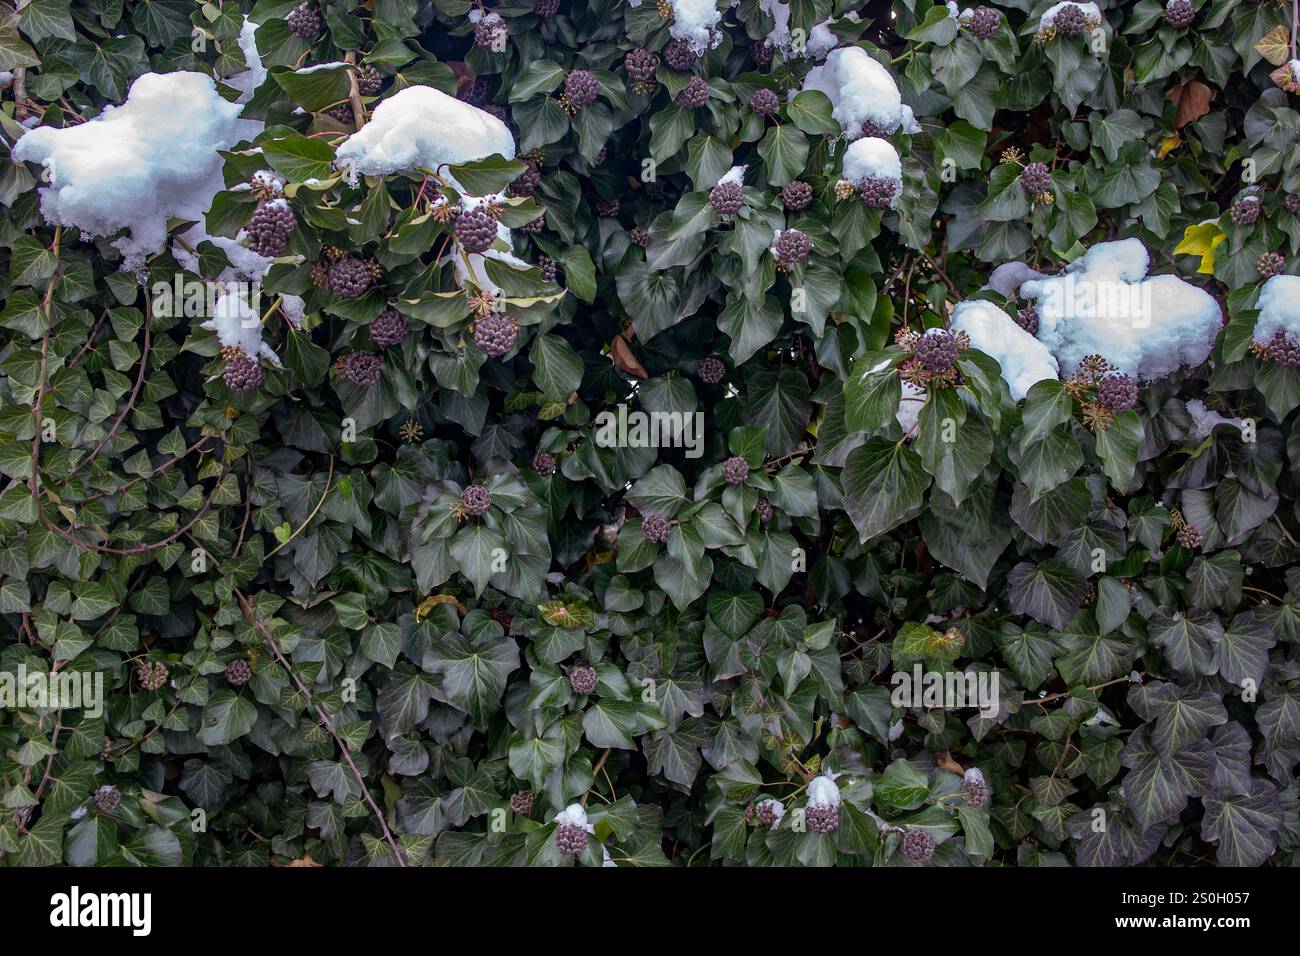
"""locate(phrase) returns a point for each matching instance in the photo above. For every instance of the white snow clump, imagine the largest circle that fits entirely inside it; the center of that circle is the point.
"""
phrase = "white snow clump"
(1024, 360)
(823, 791)
(1103, 304)
(238, 325)
(859, 89)
(1279, 309)
(874, 157)
(736, 174)
(1090, 12)
(695, 21)
(137, 165)
(423, 127)
(1204, 419)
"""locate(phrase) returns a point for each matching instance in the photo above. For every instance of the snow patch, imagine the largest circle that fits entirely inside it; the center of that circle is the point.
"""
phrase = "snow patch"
(574, 815)
(695, 21)
(1204, 419)
(238, 325)
(823, 792)
(1103, 304)
(137, 165)
(248, 81)
(736, 174)
(1090, 12)
(1007, 278)
(1024, 360)
(1279, 309)
(423, 127)
(872, 157)
(859, 89)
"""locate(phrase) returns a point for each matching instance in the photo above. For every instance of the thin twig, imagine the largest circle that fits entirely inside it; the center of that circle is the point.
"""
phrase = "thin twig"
(246, 607)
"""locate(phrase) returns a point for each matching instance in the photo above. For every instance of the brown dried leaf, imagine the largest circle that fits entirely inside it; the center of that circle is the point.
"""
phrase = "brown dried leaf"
(624, 359)
(945, 761)
(1193, 99)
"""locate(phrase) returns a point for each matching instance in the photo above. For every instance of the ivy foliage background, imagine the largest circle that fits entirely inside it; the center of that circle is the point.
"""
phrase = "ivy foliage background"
(404, 686)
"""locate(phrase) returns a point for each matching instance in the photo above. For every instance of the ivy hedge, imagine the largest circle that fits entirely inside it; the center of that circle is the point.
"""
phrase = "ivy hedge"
(387, 593)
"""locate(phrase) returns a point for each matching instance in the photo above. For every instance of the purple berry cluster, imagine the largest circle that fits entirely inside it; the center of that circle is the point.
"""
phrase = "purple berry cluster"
(303, 22)
(936, 350)
(1036, 178)
(495, 334)
(1282, 350)
(107, 798)
(727, 198)
(582, 679)
(369, 80)
(242, 374)
(1117, 391)
(1270, 264)
(822, 819)
(984, 22)
(641, 66)
(918, 845)
(580, 87)
(544, 464)
(735, 470)
(656, 528)
(1027, 319)
(974, 788)
(476, 230)
(879, 130)
(476, 500)
(490, 32)
(269, 230)
(388, 329)
(526, 183)
(571, 839)
(712, 370)
(878, 192)
(238, 673)
(1069, 21)
(679, 56)
(797, 195)
(349, 278)
(1246, 211)
(694, 94)
(1179, 13)
(792, 247)
(360, 368)
(764, 102)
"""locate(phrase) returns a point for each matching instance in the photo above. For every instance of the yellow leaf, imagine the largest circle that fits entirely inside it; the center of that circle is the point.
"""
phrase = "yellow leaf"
(429, 603)
(1275, 45)
(1201, 240)
(1285, 77)
(1169, 144)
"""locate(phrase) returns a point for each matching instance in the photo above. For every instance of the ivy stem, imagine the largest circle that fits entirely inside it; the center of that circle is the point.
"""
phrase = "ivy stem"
(324, 494)
(246, 608)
